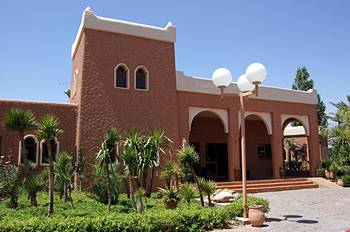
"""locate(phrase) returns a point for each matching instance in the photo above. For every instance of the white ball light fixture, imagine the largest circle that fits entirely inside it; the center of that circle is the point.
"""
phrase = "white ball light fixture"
(222, 77)
(256, 73)
(244, 85)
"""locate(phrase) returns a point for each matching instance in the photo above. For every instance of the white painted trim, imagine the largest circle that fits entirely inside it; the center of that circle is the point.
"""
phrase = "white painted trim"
(221, 113)
(303, 119)
(292, 131)
(127, 76)
(264, 116)
(41, 150)
(75, 82)
(37, 148)
(147, 77)
(206, 86)
(92, 21)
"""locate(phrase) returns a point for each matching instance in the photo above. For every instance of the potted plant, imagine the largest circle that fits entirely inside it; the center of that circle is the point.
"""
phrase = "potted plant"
(170, 197)
(325, 164)
(334, 168)
(256, 215)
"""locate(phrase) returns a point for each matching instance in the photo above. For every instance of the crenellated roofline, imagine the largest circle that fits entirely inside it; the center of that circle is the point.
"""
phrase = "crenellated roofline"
(92, 21)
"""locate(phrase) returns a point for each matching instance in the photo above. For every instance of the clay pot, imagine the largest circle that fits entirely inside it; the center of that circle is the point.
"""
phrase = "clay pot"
(256, 215)
(170, 204)
(340, 182)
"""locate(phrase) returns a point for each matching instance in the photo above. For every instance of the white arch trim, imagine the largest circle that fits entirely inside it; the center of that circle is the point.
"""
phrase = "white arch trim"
(147, 77)
(127, 76)
(221, 113)
(264, 116)
(303, 119)
(41, 150)
(37, 148)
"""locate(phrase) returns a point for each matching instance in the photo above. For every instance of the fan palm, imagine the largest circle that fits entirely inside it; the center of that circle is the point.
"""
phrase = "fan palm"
(208, 187)
(20, 121)
(48, 130)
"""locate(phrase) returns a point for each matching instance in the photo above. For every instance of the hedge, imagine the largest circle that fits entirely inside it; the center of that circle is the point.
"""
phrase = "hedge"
(89, 215)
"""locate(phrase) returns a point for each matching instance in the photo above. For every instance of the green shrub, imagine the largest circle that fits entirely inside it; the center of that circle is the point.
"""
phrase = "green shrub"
(90, 215)
(346, 180)
(320, 172)
(325, 164)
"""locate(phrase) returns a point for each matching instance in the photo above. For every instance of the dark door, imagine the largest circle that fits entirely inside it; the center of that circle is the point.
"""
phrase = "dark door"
(216, 161)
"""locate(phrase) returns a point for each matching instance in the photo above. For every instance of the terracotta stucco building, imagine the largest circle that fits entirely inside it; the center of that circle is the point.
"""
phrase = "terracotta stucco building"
(124, 76)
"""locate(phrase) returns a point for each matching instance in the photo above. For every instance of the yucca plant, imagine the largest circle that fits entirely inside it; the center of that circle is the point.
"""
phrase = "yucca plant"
(20, 121)
(208, 188)
(170, 197)
(168, 173)
(64, 172)
(48, 130)
(34, 183)
(139, 194)
(10, 184)
(187, 192)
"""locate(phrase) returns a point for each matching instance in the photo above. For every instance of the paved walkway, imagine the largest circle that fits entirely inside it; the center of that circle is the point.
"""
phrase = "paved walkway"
(318, 209)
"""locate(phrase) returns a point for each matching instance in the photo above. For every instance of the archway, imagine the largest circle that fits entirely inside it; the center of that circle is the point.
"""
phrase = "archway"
(208, 136)
(258, 148)
(295, 149)
(31, 149)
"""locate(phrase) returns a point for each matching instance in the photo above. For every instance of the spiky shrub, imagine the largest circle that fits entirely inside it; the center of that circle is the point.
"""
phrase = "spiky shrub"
(34, 183)
(188, 192)
(64, 171)
(139, 195)
(48, 130)
(168, 173)
(208, 188)
(20, 121)
(10, 183)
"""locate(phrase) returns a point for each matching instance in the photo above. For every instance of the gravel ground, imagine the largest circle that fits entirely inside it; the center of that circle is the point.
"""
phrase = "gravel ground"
(317, 209)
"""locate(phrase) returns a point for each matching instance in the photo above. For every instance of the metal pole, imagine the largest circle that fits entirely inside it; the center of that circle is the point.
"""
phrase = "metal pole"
(244, 162)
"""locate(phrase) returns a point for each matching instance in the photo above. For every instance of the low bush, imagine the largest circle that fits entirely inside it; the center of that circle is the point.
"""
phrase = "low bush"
(320, 172)
(346, 180)
(90, 215)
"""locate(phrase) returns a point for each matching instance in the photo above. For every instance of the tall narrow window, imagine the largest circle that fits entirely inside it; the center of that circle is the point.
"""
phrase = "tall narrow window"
(121, 76)
(44, 152)
(30, 149)
(141, 76)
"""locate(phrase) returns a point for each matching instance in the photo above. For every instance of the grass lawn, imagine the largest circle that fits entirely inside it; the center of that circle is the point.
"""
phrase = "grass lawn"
(90, 215)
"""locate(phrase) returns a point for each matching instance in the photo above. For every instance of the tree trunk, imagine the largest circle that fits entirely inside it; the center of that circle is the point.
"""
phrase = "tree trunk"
(51, 179)
(109, 185)
(132, 200)
(65, 194)
(199, 188)
(209, 200)
(127, 189)
(150, 186)
(144, 178)
(24, 157)
(33, 200)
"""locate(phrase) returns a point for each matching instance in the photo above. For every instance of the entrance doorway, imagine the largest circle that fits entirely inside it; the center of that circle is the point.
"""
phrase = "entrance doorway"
(208, 136)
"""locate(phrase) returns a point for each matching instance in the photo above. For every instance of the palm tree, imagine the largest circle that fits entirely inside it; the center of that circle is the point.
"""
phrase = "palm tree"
(130, 155)
(168, 173)
(155, 145)
(208, 187)
(189, 158)
(48, 130)
(34, 183)
(64, 171)
(21, 121)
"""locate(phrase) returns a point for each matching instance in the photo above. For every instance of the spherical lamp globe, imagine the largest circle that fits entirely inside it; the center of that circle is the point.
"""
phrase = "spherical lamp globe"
(256, 73)
(244, 85)
(221, 77)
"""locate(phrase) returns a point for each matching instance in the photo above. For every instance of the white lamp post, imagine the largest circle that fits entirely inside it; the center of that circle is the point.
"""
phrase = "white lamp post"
(248, 84)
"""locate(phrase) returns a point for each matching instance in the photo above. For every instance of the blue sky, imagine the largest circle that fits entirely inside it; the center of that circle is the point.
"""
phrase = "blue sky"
(36, 38)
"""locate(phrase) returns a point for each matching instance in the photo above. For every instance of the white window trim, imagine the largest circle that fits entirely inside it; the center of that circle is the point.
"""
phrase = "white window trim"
(147, 78)
(41, 150)
(127, 76)
(75, 80)
(37, 148)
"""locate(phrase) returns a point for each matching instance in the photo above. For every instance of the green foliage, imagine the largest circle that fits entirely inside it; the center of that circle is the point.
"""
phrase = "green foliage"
(346, 180)
(302, 82)
(187, 155)
(320, 172)
(64, 172)
(169, 173)
(99, 190)
(326, 163)
(168, 194)
(89, 215)
(19, 120)
(48, 127)
(188, 192)
(139, 195)
(34, 183)
(10, 184)
(68, 93)
(208, 188)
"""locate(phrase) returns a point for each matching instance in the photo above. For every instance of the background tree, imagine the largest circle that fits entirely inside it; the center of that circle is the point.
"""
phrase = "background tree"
(48, 130)
(303, 82)
(21, 121)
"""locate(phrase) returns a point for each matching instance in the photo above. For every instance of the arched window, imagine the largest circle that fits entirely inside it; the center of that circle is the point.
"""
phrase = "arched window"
(141, 78)
(121, 76)
(44, 155)
(31, 149)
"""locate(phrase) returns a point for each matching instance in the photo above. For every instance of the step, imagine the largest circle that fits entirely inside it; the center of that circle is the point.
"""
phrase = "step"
(249, 185)
(278, 188)
(262, 181)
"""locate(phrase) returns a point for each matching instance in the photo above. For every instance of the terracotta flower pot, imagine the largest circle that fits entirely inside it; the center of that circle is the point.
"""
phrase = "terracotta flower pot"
(170, 204)
(256, 215)
(340, 182)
